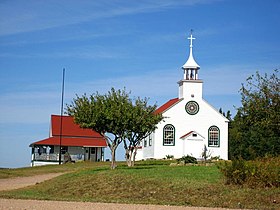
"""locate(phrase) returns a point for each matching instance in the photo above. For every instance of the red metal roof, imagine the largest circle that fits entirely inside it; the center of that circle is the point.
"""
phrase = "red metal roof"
(72, 134)
(74, 141)
(69, 128)
(167, 105)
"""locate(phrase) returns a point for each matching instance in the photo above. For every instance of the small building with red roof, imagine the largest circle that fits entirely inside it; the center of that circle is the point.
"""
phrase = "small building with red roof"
(81, 144)
(190, 123)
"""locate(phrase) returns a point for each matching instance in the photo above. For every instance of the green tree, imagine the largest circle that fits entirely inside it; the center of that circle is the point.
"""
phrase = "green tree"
(105, 114)
(255, 130)
(143, 121)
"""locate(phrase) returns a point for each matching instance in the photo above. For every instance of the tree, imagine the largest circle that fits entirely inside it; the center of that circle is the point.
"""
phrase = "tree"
(104, 114)
(255, 130)
(143, 121)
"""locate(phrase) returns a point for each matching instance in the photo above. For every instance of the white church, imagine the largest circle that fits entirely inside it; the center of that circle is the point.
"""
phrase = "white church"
(190, 123)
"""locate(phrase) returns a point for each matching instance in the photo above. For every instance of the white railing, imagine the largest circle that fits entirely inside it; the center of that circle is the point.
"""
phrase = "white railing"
(55, 157)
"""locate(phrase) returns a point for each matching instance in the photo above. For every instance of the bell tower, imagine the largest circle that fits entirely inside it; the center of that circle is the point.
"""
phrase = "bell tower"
(190, 87)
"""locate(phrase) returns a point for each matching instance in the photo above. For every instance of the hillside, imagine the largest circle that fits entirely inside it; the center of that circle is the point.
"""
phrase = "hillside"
(150, 182)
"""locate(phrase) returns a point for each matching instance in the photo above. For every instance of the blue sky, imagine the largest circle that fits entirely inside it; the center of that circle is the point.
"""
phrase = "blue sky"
(140, 45)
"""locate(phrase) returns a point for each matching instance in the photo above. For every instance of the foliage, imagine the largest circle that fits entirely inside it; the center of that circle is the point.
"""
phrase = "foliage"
(149, 182)
(142, 122)
(227, 115)
(259, 173)
(255, 130)
(104, 114)
(205, 153)
(116, 114)
(187, 159)
(168, 157)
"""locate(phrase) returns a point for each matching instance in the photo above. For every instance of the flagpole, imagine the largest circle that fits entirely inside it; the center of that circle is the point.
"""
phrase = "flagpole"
(61, 114)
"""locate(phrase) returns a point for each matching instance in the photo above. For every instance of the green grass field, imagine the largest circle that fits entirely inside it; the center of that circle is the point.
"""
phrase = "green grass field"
(149, 182)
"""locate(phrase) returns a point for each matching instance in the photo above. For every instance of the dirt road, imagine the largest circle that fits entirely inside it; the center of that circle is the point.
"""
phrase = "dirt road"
(50, 205)
(19, 182)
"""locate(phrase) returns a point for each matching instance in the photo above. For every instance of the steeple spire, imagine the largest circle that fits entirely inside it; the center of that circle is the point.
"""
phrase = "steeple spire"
(191, 67)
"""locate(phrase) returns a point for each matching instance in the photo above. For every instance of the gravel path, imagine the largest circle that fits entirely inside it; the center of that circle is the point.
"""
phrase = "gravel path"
(19, 182)
(50, 205)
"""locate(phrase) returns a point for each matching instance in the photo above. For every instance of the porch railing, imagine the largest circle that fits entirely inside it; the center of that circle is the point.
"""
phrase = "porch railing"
(55, 157)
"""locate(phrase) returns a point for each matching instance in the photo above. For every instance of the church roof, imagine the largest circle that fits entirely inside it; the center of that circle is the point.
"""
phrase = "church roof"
(167, 105)
(71, 134)
(191, 63)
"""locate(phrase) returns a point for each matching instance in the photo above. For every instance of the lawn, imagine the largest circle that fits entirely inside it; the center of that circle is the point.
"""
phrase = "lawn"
(147, 183)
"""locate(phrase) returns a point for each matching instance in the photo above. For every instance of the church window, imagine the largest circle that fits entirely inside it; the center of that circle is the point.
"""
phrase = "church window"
(169, 135)
(214, 136)
(145, 142)
(150, 140)
(192, 107)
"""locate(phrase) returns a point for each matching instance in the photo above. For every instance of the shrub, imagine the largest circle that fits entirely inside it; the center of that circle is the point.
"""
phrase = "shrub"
(259, 173)
(168, 157)
(187, 159)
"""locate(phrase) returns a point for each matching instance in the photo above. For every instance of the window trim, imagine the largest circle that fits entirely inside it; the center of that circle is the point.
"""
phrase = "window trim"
(218, 129)
(163, 130)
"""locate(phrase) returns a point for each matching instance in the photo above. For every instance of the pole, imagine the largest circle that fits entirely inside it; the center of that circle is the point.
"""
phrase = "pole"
(61, 114)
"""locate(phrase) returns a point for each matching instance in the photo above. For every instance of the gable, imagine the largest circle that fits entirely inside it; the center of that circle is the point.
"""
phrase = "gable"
(215, 110)
(192, 135)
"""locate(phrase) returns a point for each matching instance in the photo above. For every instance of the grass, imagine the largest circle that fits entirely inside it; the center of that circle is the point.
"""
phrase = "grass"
(149, 182)
(31, 171)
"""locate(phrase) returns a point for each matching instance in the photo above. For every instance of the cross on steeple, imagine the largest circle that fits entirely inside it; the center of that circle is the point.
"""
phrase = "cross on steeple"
(191, 38)
(191, 67)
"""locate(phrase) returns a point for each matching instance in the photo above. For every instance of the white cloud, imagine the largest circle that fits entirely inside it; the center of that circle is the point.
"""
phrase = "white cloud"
(81, 53)
(25, 16)
(36, 103)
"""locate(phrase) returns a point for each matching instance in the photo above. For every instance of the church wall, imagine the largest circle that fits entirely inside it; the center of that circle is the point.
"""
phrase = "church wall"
(185, 123)
(149, 149)
(146, 152)
(191, 126)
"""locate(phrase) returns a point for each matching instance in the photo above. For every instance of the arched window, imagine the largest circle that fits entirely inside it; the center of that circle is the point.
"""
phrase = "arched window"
(169, 135)
(214, 136)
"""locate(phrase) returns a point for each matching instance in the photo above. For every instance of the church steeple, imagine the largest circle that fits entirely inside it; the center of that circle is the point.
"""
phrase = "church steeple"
(191, 67)
(190, 87)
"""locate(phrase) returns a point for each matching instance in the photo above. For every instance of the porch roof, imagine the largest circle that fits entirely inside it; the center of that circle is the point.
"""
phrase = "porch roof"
(72, 141)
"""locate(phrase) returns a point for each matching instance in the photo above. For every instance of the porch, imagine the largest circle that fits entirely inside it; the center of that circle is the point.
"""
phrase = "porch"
(49, 154)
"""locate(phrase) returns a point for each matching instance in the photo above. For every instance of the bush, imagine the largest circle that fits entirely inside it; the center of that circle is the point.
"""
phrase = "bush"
(259, 173)
(187, 159)
(168, 157)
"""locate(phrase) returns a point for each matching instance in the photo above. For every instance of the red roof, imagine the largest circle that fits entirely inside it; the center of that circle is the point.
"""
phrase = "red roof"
(74, 141)
(69, 128)
(71, 135)
(167, 105)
